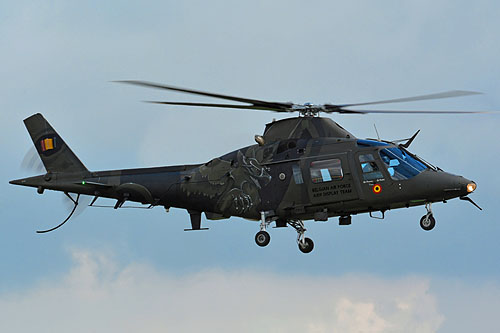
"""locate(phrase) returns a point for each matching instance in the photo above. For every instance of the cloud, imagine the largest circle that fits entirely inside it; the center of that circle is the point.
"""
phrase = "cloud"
(99, 295)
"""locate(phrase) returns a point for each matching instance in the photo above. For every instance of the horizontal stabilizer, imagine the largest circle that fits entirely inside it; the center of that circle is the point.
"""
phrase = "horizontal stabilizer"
(94, 184)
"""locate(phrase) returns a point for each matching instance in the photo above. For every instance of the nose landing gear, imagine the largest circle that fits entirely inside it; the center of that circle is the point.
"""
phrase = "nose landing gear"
(427, 222)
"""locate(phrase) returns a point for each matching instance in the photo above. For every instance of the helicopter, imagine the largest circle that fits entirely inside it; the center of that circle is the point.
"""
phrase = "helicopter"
(301, 168)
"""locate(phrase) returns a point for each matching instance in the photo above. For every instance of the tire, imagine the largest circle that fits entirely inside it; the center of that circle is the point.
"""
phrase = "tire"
(307, 247)
(427, 224)
(262, 238)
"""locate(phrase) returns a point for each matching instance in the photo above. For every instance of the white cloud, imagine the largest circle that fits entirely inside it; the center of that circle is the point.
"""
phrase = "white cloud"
(98, 295)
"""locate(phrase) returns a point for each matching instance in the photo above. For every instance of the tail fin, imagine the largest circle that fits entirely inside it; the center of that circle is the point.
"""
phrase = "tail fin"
(54, 152)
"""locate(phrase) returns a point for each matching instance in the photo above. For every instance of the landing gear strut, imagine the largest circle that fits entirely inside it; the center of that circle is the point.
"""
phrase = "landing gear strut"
(262, 238)
(427, 222)
(306, 245)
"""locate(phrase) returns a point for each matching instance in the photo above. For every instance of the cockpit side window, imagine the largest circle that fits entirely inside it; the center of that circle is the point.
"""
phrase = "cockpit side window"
(326, 170)
(400, 164)
(370, 169)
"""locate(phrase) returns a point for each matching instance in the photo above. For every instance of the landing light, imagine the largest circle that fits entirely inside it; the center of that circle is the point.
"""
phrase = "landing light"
(471, 187)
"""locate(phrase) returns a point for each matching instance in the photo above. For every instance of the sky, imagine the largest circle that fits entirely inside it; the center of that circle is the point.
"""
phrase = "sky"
(129, 269)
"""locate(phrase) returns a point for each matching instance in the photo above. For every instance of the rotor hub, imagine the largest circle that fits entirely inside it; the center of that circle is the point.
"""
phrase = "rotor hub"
(307, 109)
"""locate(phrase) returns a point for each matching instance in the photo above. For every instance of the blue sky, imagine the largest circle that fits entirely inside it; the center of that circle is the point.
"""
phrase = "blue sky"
(59, 57)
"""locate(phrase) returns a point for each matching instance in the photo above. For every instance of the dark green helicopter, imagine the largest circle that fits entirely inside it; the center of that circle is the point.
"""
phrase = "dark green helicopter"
(302, 168)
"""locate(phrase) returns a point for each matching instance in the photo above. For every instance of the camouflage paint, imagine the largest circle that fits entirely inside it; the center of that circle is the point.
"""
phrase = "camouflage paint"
(253, 179)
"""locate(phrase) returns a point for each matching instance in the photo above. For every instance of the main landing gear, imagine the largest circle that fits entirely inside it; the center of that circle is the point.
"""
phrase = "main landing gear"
(427, 222)
(262, 238)
(306, 245)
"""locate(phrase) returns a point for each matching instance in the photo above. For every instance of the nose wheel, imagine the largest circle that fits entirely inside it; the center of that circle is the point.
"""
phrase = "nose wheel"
(428, 222)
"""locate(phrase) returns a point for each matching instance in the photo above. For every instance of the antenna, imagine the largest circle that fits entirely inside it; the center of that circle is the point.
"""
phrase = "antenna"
(376, 131)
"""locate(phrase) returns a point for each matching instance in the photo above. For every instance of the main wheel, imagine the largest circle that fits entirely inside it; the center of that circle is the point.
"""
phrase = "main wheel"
(262, 238)
(427, 222)
(307, 246)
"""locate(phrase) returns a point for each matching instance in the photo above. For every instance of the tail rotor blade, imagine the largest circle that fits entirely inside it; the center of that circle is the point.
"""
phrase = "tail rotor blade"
(32, 162)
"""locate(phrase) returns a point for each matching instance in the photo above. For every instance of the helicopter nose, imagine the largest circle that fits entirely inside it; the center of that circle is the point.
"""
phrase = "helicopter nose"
(465, 186)
(443, 185)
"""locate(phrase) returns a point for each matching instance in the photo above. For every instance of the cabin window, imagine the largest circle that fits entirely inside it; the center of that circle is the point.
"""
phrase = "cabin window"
(370, 169)
(286, 145)
(297, 174)
(400, 164)
(326, 170)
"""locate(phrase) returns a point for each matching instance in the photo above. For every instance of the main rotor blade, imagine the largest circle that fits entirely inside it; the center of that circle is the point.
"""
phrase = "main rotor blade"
(230, 106)
(347, 111)
(256, 102)
(446, 94)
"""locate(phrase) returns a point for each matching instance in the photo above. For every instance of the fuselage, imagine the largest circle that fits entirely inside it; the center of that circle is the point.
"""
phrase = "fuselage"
(290, 179)
(303, 168)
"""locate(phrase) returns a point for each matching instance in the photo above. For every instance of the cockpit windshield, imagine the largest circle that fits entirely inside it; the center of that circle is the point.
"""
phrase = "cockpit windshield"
(400, 164)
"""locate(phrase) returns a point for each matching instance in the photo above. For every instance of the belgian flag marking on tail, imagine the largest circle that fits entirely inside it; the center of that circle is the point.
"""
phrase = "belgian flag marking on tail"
(48, 144)
(54, 152)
